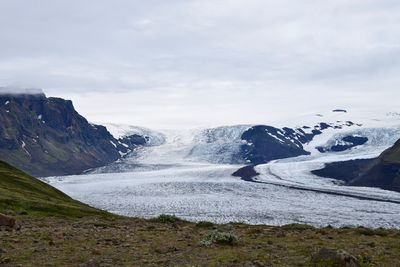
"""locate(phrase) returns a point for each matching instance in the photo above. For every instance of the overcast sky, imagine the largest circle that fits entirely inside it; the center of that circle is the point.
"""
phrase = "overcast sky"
(183, 63)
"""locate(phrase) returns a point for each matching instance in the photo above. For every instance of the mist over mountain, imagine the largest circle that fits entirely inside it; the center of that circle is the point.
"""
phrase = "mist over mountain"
(20, 91)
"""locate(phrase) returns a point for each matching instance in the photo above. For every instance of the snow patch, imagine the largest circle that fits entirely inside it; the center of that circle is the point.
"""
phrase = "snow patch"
(113, 143)
(23, 146)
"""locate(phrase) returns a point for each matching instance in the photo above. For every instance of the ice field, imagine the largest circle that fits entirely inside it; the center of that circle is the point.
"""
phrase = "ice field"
(188, 173)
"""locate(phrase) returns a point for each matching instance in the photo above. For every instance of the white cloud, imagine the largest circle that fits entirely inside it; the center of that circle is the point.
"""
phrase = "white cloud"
(193, 62)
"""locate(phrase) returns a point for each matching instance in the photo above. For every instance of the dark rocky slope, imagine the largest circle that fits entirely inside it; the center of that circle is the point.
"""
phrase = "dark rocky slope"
(266, 143)
(344, 144)
(382, 172)
(263, 143)
(46, 136)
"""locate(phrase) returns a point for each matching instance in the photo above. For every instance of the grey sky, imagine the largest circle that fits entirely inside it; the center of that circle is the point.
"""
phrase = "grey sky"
(184, 62)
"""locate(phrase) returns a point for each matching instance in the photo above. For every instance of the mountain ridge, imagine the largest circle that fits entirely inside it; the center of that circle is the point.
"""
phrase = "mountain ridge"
(46, 136)
(382, 172)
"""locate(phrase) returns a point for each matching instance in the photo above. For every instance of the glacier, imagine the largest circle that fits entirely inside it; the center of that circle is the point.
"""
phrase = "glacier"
(188, 173)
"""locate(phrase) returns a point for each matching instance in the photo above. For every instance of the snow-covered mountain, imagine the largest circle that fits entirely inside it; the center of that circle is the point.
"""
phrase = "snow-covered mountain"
(121, 131)
(334, 132)
(302, 146)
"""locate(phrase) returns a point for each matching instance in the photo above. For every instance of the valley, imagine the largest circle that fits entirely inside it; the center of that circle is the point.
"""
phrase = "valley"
(188, 173)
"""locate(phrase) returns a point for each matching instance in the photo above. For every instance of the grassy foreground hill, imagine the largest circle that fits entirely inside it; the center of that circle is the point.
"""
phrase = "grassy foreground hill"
(59, 231)
(23, 194)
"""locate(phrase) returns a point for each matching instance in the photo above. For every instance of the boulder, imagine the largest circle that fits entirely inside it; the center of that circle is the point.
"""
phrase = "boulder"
(6, 221)
(332, 257)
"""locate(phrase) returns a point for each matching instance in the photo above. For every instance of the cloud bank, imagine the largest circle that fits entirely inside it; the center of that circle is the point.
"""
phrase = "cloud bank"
(188, 62)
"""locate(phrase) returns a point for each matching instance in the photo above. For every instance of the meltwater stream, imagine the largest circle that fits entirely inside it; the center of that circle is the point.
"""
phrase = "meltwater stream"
(188, 175)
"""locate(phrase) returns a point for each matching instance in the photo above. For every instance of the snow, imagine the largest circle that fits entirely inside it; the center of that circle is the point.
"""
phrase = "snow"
(23, 146)
(7, 102)
(113, 143)
(209, 192)
(40, 117)
(122, 154)
(277, 138)
(125, 145)
(188, 175)
(122, 130)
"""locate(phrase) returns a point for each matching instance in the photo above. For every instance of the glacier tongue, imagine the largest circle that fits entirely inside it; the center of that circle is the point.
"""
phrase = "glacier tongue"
(175, 148)
(188, 173)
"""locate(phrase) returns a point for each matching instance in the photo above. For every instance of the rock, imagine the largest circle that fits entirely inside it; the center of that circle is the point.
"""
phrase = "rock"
(7, 221)
(327, 256)
(4, 260)
(246, 173)
(343, 144)
(263, 143)
(340, 110)
(46, 136)
(255, 263)
(2, 251)
(382, 172)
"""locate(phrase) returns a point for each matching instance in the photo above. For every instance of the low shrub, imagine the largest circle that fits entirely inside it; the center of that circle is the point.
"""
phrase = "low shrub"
(165, 218)
(205, 224)
(219, 238)
(371, 232)
(297, 227)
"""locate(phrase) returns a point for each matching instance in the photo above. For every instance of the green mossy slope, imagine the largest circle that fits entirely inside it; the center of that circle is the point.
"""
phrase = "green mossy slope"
(21, 193)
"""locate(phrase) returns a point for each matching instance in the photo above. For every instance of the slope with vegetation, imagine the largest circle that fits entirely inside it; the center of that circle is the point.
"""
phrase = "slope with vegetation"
(23, 194)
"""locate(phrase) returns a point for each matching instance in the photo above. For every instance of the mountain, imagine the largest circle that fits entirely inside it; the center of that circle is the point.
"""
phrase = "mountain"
(21, 193)
(382, 172)
(263, 143)
(46, 136)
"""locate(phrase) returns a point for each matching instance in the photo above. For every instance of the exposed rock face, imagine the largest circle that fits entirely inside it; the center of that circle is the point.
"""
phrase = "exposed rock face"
(246, 173)
(340, 110)
(383, 172)
(46, 136)
(344, 144)
(134, 140)
(266, 143)
(332, 257)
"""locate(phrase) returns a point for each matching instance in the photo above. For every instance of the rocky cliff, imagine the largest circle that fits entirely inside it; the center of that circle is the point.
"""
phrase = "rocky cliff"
(46, 136)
